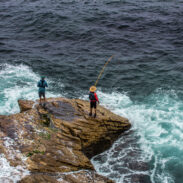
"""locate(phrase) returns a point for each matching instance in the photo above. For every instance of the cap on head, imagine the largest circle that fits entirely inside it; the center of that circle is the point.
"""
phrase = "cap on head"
(93, 88)
(42, 77)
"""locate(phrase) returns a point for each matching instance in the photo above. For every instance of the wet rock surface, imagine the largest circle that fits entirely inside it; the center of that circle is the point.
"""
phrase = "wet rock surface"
(83, 176)
(125, 158)
(58, 137)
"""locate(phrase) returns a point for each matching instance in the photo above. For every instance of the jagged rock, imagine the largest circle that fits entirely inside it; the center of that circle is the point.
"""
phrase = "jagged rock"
(73, 177)
(84, 177)
(25, 105)
(58, 137)
(39, 178)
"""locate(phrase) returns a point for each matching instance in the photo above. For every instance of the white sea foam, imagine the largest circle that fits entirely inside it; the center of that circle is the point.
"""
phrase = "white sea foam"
(9, 174)
(18, 82)
(157, 122)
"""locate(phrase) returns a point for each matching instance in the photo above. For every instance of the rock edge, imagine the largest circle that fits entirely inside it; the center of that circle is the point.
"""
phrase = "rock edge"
(59, 137)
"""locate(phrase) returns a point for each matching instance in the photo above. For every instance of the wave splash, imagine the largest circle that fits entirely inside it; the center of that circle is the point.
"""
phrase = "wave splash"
(152, 150)
(17, 82)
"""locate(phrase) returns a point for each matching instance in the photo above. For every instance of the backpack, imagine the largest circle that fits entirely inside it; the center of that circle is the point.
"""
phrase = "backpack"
(42, 84)
(92, 96)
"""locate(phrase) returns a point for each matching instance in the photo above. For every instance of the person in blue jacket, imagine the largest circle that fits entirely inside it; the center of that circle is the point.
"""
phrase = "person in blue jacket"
(42, 84)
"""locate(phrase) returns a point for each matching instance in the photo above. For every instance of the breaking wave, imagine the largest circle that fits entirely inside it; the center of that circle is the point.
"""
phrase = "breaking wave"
(17, 82)
(152, 150)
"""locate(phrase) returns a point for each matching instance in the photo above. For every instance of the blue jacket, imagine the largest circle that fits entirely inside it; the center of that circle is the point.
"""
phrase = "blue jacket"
(42, 84)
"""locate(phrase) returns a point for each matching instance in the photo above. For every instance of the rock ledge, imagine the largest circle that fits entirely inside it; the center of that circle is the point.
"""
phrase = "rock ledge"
(56, 141)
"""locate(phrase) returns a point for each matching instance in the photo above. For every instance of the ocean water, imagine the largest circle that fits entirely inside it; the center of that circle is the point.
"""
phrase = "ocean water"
(18, 82)
(153, 151)
(69, 41)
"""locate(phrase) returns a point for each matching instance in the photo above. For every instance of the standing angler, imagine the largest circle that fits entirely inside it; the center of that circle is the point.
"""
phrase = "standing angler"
(93, 100)
(93, 96)
(42, 84)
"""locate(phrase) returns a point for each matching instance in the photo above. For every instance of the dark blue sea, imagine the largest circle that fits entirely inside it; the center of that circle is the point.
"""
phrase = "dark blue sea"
(69, 41)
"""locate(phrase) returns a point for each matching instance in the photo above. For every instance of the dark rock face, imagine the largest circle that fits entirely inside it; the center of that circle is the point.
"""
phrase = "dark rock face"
(61, 110)
(125, 161)
(59, 137)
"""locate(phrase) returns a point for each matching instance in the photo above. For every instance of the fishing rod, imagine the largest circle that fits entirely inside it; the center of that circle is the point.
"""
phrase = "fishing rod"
(101, 72)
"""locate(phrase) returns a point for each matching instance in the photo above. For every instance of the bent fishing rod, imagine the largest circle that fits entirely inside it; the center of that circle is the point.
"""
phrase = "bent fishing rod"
(101, 72)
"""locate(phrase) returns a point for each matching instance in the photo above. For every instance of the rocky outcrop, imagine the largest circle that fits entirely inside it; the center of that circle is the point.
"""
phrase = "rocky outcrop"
(58, 138)
(82, 176)
(25, 105)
